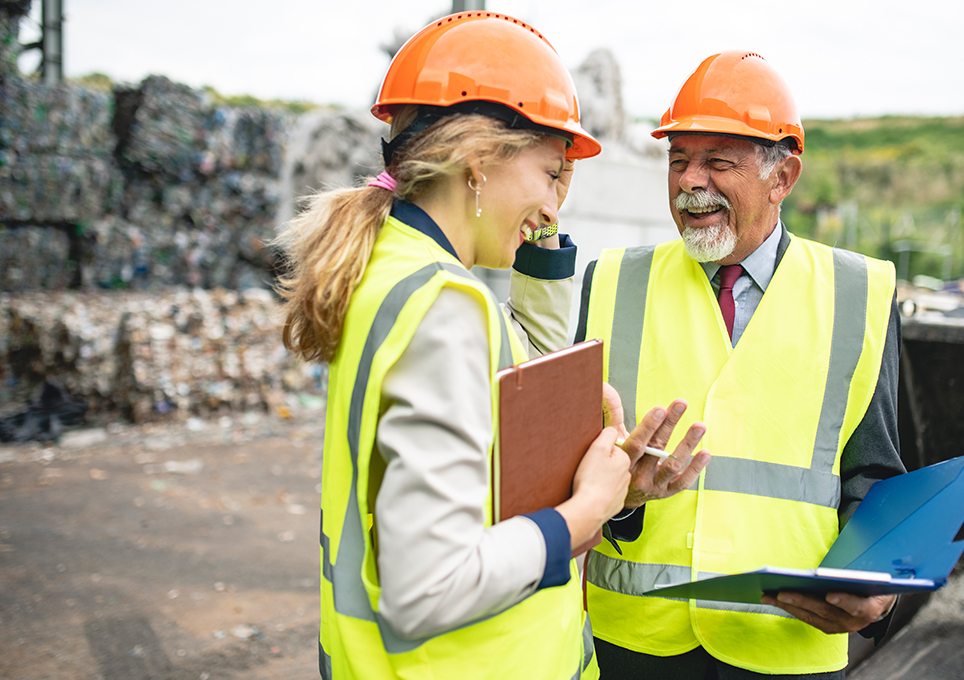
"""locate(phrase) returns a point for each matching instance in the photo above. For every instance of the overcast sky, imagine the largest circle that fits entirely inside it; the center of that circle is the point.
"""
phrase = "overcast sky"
(842, 58)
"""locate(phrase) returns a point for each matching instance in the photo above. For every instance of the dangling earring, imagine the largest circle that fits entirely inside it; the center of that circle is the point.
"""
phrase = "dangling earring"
(478, 190)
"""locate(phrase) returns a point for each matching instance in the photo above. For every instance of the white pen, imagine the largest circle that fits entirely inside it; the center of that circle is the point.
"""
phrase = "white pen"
(659, 453)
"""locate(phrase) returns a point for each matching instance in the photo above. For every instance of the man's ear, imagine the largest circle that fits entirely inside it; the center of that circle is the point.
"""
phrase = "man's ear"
(787, 173)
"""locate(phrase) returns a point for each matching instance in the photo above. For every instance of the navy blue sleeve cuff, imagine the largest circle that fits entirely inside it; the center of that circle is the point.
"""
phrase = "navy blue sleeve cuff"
(549, 265)
(558, 547)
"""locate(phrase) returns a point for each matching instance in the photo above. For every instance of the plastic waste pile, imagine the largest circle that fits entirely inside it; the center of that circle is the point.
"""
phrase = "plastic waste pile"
(149, 187)
(135, 270)
(150, 356)
(201, 191)
(56, 145)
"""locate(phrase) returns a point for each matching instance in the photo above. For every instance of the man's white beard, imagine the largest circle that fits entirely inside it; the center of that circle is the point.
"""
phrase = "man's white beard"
(706, 244)
(709, 244)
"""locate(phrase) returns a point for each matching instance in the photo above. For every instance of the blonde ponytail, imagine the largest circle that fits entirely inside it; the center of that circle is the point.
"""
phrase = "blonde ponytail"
(327, 247)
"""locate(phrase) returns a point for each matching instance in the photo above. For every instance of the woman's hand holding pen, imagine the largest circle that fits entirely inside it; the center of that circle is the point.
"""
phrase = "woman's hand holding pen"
(653, 476)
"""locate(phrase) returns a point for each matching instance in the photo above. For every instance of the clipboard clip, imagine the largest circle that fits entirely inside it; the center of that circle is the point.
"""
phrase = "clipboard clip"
(904, 568)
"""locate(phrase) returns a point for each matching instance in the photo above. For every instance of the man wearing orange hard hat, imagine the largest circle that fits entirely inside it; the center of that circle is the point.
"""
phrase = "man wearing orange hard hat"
(787, 350)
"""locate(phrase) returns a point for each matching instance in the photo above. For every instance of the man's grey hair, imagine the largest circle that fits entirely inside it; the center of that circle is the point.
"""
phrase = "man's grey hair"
(769, 156)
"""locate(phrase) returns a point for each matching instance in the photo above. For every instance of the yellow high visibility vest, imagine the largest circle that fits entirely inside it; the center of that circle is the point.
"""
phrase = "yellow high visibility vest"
(779, 409)
(545, 636)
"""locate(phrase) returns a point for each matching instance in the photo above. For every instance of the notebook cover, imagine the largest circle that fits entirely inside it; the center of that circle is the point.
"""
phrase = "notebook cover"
(550, 411)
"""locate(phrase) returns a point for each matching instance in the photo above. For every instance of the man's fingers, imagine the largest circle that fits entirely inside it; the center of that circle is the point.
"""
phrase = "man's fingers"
(818, 607)
(662, 434)
(816, 612)
(800, 607)
(863, 610)
(653, 478)
(688, 444)
(643, 433)
(808, 617)
(678, 462)
(691, 473)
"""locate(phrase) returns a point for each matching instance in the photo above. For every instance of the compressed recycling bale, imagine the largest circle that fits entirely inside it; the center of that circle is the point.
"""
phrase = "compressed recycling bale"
(599, 83)
(34, 258)
(118, 256)
(165, 131)
(56, 188)
(203, 352)
(71, 338)
(62, 119)
(166, 127)
(247, 139)
(208, 234)
(56, 153)
(161, 127)
(152, 356)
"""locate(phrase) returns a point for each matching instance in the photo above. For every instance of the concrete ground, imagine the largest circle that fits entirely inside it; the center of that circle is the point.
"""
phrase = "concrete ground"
(929, 647)
(187, 551)
(190, 551)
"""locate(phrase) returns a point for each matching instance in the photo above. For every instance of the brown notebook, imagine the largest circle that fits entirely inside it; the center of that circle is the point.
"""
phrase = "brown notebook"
(550, 411)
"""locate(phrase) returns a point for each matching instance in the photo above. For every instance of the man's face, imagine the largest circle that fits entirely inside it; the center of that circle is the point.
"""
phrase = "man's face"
(722, 208)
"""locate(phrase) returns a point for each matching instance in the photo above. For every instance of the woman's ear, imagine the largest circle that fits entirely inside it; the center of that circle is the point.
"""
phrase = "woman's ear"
(476, 177)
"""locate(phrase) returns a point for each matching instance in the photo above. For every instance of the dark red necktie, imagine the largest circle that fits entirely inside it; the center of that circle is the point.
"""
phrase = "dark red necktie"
(728, 276)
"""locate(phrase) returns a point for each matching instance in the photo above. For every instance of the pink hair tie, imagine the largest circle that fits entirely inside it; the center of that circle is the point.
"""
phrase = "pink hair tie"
(384, 181)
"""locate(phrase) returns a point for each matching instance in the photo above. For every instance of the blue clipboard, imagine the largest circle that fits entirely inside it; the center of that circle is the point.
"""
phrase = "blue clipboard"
(906, 536)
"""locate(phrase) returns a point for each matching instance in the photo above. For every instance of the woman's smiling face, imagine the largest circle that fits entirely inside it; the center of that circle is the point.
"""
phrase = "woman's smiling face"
(517, 194)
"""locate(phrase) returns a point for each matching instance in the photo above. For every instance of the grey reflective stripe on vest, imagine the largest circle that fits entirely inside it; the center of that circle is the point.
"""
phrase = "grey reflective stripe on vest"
(350, 596)
(629, 309)
(631, 578)
(635, 579)
(324, 663)
(849, 325)
(588, 649)
(325, 549)
(774, 480)
(743, 608)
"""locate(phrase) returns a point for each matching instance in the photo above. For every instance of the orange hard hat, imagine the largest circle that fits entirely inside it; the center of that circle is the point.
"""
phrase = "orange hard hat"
(487, 57)
(735, 93)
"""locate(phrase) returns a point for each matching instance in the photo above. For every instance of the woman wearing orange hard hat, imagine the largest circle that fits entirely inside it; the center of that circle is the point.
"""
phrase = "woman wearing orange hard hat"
(418, 580)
